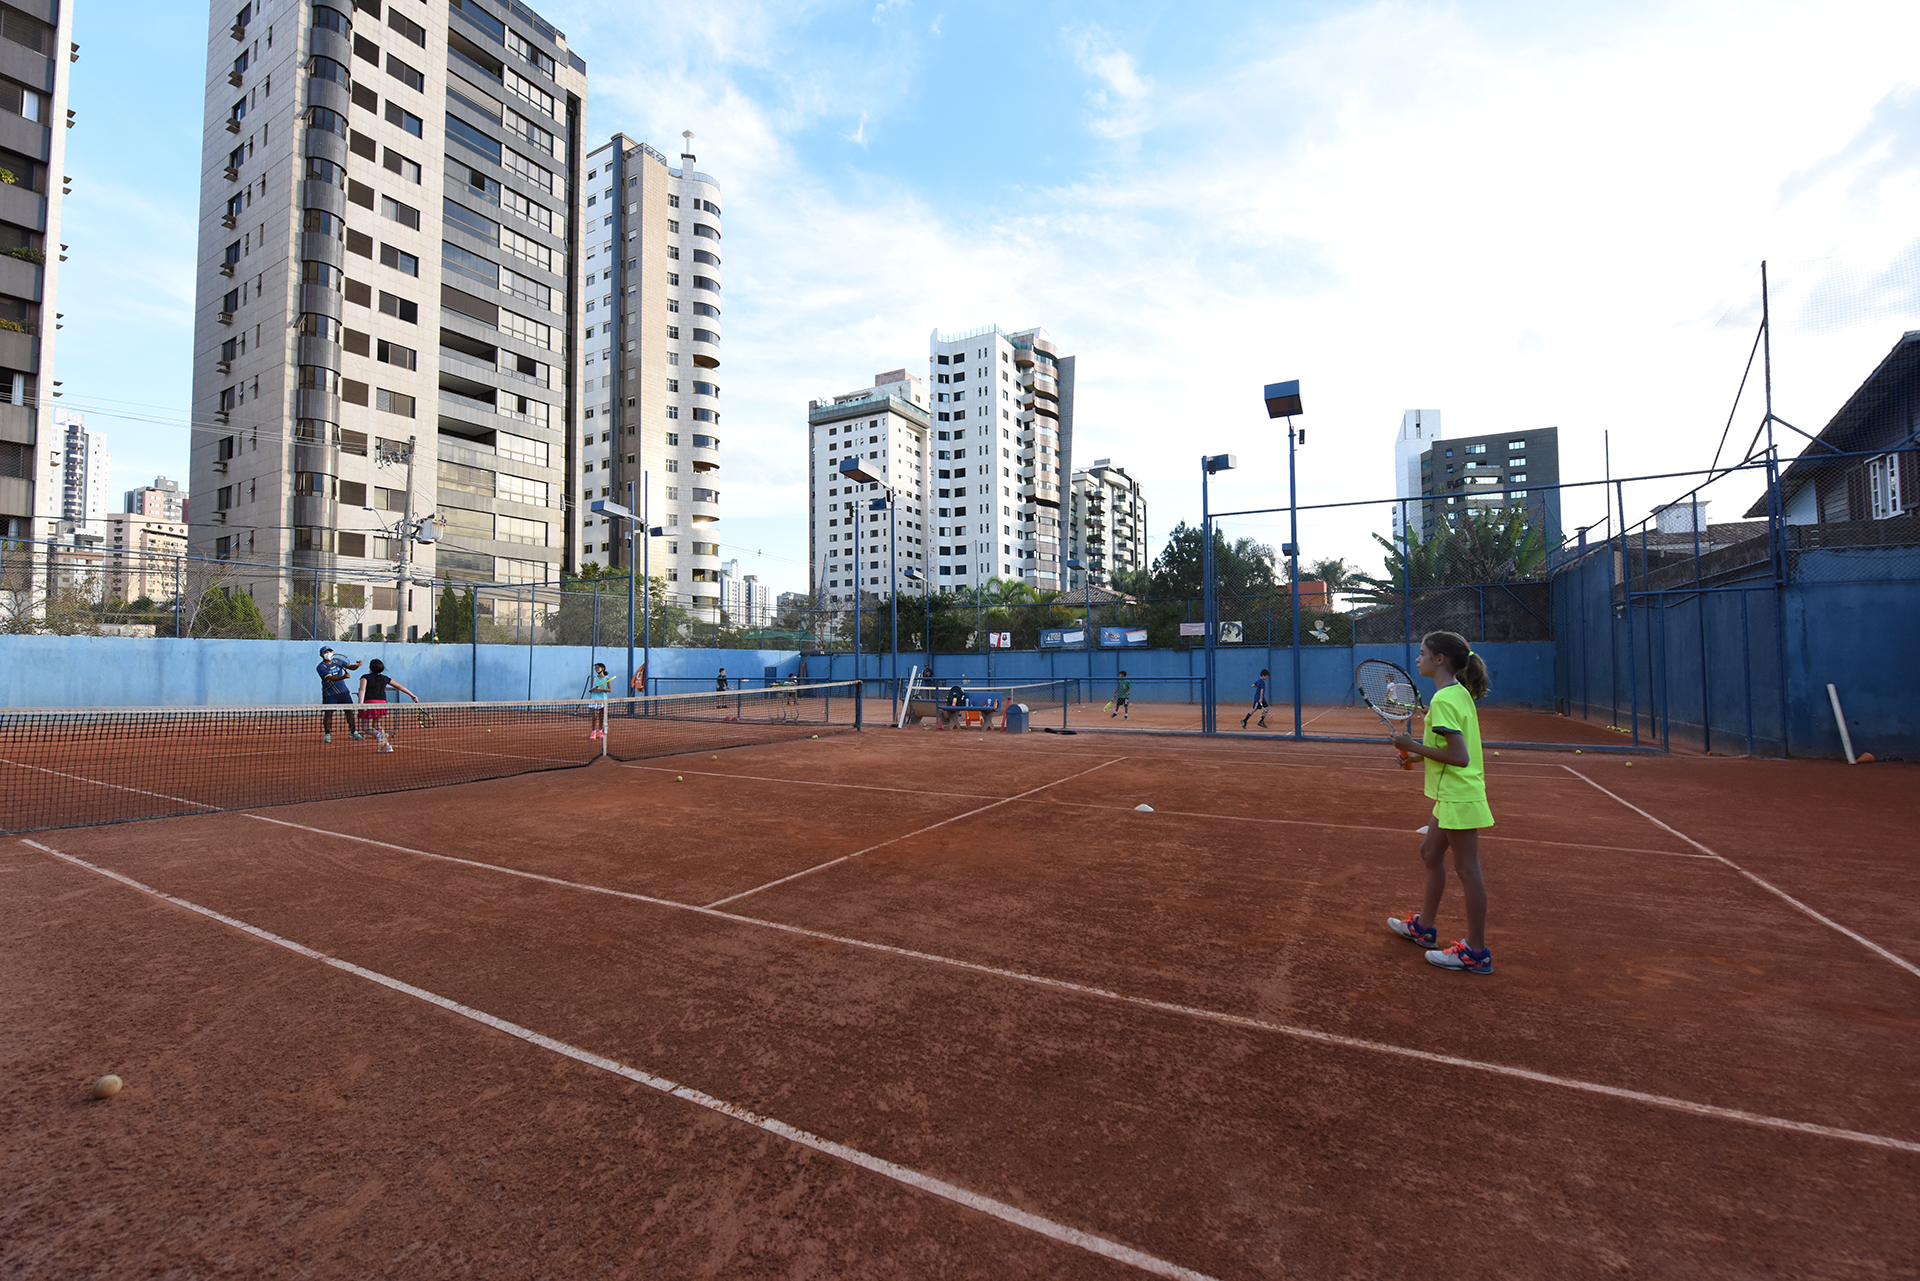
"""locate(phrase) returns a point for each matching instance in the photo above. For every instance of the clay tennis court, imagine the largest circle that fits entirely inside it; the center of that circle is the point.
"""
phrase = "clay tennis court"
(918, 1004)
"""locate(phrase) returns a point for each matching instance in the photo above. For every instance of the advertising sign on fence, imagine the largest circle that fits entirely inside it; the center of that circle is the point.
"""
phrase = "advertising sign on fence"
(1060, 638)
(1000, 640)
(1232, 632)
(1193, 629)
(1122, 637)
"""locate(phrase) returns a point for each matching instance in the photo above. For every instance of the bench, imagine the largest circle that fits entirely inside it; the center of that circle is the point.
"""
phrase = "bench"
(982, 713)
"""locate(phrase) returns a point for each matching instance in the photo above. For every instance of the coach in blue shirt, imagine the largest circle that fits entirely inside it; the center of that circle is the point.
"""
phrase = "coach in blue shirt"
(333, 689)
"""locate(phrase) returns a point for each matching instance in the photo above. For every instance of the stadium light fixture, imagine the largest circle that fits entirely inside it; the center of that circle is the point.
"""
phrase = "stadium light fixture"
(1283, 401)
(850, 469)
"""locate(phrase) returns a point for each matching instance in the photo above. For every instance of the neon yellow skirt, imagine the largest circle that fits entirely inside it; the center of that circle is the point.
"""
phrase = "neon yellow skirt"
(1460, 816)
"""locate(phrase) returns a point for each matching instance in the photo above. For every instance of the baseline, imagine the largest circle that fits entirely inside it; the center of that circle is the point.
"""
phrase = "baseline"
(1768, 886)
(1312, 1035)
(1088, 1241)
(835, 862)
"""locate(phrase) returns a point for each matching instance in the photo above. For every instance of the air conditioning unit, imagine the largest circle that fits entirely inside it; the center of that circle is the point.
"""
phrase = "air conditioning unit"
(234, 78)
(232, 174)
(226, 318)
(233, 125)
(220, 466)
(229, 221)
(226, 269)
(219, 518)
(224, 366)
(239, 31)
(221, 416)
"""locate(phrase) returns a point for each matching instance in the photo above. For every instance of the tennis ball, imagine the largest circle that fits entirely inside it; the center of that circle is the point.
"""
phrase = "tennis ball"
(1496, 753)
(679, 778)
(1865, 758)
(716, 758)
(1576, 751)
(1629, 764)
(106, 1087)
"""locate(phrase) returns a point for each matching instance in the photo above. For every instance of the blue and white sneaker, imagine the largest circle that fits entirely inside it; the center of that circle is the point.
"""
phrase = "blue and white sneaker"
(1458, 956)
(1414, 932)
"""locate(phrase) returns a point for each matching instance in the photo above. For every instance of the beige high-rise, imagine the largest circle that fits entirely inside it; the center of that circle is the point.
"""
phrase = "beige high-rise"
(389, 225)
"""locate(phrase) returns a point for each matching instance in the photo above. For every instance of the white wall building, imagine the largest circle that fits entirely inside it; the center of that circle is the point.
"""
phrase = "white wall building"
(141, 554)
(650, 396)
(84, 463)
(744, 599)
(885, 426)
(1419, 428)
(1107, 526)
(1002, 457)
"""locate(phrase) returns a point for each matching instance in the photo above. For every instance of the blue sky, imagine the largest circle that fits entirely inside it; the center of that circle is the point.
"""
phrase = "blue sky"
(1521, 215)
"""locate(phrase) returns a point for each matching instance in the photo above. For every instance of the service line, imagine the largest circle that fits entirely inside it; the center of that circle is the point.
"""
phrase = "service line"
(1049, 1228)
(1312, 1035)
(894, 840)
(1768, 886)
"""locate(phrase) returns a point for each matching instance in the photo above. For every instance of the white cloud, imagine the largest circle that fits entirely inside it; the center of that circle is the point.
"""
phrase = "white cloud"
(1121, 102)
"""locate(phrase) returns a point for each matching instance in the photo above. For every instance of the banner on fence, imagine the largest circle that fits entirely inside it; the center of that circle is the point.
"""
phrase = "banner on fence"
(1193, 629)
(1000, 640)
(1123, 637)
(1061, 638)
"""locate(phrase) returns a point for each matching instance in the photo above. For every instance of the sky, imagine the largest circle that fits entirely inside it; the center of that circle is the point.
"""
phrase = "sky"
(1521, 215)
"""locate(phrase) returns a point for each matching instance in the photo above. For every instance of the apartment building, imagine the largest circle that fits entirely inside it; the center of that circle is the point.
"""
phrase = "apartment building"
(650, 396)
(745, 601)
(387, 317)
(887, 427)
(161, 499)
(1000, 478)
(141, 555)
(1480, 473)
(36, 53)
(84, 463)
(1107, 524)
(1419, 428)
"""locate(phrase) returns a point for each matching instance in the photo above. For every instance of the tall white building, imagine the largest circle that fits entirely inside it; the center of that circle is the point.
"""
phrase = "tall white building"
(36, 51)
(744, 599)
(885, 426)
(1002, 457)
(84, 463)
(387, 320)
(649, 390)
(1419, 428)
(1107, 527)
(142, 555)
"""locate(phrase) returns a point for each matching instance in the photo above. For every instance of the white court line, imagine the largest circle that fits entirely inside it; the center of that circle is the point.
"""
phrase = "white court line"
(1045, 1227)
(1771, 888)
(1128, 809)
(894, 840)
(805, 782)
(115, 786)
(1166, 1007)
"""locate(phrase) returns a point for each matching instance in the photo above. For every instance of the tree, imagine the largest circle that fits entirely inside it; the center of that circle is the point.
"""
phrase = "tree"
(234, 617)
(1335, 573)
(1471, 547)
(1241, 568)
(453, 617)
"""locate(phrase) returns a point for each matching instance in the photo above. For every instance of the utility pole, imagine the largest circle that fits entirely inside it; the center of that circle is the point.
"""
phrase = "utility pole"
(407, 531)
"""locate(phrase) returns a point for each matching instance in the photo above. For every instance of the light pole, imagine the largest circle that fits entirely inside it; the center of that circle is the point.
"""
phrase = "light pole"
(1086, 579)
(1209, 464)
(408, 532)
(1283, 401)
(850, 469)
(926, 597)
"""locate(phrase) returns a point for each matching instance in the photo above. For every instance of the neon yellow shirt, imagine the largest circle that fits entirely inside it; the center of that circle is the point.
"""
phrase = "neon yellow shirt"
(1453, 709)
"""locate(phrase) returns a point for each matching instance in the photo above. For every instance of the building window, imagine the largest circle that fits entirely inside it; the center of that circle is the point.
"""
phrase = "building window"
(392, 353)
(401, 165)
(405, 215)
(1516, 444)
(1883, 487)
(1475, 449)
(400, 308)
(399, 260)
(406, 75)
(393, 402)
(398, 115)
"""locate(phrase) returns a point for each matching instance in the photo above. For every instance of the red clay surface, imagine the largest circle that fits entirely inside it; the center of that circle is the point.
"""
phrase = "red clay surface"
(284, 1117)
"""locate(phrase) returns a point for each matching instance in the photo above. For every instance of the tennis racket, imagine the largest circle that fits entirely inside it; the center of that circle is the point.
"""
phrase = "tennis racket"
(424, 716)
(1391, 694)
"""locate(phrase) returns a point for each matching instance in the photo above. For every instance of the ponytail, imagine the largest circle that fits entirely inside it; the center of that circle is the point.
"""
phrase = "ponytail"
(1468, 667)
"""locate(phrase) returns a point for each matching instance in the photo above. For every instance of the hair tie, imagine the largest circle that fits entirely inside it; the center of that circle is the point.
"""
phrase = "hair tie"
(1471, 654)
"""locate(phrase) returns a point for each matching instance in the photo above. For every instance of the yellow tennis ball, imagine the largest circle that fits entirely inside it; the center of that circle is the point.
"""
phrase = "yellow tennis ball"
(1629, 764)
(106, 1087)
(1496, 753)
(679, 778)
(716, 758)
(1576, 751)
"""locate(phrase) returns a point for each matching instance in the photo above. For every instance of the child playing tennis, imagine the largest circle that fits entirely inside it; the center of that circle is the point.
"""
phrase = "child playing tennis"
(1259, 700)
(1456, 780)
(373, 701)
(599, 689)
(1122, 698)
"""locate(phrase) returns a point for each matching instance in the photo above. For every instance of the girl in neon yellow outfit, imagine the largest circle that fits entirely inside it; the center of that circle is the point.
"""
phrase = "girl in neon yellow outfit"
(1456, 781)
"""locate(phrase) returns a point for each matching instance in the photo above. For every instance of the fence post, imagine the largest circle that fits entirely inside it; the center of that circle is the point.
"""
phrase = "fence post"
(178, 587)
(1406, 586)
(474, 637)
(1626, 597)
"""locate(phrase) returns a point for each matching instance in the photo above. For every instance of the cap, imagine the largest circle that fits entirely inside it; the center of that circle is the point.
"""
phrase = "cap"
(326, 649)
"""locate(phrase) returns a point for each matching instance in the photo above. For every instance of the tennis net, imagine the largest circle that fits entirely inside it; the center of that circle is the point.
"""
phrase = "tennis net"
(67, 767)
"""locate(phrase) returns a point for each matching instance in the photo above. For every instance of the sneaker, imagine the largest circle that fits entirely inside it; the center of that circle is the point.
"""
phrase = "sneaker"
(1458, 956)
(1246, 718)
(326, 738)
(387, 748)
(1414, 932)
(357, 734)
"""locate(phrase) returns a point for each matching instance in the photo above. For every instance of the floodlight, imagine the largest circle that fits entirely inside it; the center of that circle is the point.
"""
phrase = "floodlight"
(1283, 399)
(610, 508)
(1220, 462)
(850, 470)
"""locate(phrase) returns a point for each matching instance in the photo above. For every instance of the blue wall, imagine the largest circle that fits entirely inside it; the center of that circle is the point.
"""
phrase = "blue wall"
(1522, 671)
(116, 671)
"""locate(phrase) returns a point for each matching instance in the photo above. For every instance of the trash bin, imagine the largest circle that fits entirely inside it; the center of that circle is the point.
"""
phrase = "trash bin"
(1017, 719)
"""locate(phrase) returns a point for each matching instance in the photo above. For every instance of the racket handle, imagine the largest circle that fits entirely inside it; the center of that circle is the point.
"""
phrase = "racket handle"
(1406, 761)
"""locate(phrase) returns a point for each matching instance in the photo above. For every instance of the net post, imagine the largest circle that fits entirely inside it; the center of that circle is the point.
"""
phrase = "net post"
(859, 694)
